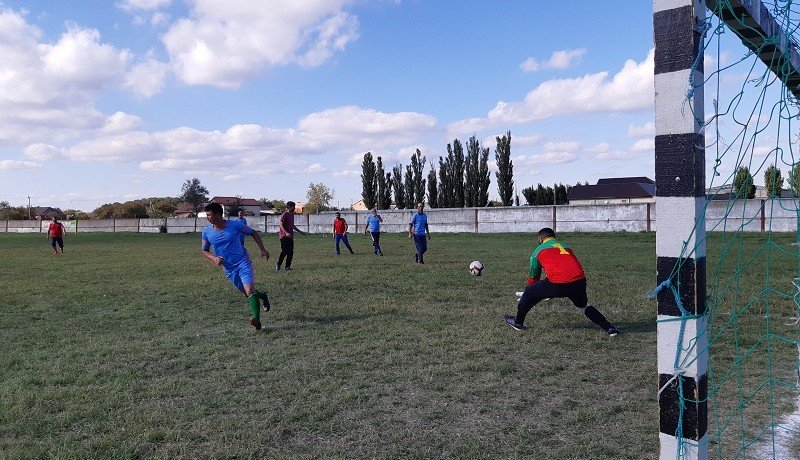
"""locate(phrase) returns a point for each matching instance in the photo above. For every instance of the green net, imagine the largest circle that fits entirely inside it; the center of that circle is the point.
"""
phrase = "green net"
(753, 262)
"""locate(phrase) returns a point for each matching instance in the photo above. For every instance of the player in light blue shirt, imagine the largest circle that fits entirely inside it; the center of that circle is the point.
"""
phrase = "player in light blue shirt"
(229, 253)
(417, 229)
(374, 228)
(242, 219)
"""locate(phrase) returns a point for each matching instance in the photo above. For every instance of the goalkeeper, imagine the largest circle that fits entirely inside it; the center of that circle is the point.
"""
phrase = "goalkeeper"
(565, 278)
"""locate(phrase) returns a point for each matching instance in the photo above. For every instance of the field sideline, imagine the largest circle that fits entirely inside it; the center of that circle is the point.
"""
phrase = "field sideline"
(132, 345)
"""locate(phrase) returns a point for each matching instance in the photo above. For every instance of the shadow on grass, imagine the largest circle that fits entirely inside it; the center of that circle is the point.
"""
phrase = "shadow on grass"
(627, 327)
(302, 321)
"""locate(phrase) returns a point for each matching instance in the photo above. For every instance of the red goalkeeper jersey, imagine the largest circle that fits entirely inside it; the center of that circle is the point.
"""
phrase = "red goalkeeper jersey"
(558, 261)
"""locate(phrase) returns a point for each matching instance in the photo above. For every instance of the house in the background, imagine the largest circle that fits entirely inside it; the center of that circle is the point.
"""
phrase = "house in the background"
(358, 206)
(184, 210)
(614, 190)
(250, 206)
(47, 213)
(298, 209)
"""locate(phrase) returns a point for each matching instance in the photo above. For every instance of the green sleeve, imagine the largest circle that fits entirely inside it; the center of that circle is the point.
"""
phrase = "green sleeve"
(536, 267)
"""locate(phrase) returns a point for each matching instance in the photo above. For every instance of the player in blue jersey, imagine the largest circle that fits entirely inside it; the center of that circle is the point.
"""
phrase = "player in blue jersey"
(374, 228)
(229, 253)
(417, 229)
(243, 220)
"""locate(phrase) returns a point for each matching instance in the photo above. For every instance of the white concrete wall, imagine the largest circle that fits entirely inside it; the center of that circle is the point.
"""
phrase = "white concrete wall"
(151, 225)
(780, 215)
(186, 225)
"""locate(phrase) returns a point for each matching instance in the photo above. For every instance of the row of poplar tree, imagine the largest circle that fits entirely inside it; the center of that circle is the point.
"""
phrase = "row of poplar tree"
(743, 186)
(462, 178)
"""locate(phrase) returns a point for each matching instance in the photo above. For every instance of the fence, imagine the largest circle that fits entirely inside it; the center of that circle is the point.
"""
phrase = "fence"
(780, 215)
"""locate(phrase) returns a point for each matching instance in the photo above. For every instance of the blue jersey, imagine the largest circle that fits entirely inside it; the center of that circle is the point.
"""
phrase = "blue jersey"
(418, 223)
(374, 223)
(244, 222)
(226, 242)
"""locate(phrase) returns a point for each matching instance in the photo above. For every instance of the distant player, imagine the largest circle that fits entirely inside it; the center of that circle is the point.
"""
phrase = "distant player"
(224, 237)
(340, 233)
(374, 221)
(565, 278)
(240, 216)
(55, 233)
(418, 229)
(286, 229)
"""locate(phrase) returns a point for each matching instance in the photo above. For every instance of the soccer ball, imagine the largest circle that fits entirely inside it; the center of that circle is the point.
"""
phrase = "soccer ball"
(476, 268)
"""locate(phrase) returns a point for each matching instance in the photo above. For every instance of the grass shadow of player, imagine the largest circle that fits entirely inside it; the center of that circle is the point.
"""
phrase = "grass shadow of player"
(627, 327)
(302, 321)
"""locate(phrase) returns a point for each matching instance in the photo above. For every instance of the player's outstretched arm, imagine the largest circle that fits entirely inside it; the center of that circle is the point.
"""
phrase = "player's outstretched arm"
(260, 243)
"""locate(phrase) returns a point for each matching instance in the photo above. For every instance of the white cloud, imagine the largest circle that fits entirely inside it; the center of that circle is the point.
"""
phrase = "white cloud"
(225, 43)
(643, 145)
(558, 60)
(42, 152)
(13, 164)
(334, 34)
(554, 158)
(598, 148)
(147, 78)
(614, 155)
(121, 122)
(80, 58)
(711, 61)
(367, 127)
(566, 146)
(522, 141)
(130, 5)
(48, 90)
(631, 89)
(763, 150)
(347, 173)
(316, 168)
(159, 18)
(646, 130)
(130, 146)
(232, 177)
(550, 153)
(249, 147)
(516, 141)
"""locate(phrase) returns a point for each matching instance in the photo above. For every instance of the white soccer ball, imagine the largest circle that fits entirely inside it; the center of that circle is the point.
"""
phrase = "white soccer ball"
(476, 268)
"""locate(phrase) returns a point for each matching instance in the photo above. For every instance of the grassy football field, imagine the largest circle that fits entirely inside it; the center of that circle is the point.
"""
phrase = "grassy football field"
(133, 346)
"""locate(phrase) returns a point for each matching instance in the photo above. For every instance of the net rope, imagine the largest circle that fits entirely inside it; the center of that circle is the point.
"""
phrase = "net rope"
(753, 250)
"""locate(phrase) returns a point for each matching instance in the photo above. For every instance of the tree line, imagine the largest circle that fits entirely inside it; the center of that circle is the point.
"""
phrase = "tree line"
(462, 178)
(743, 186)
(541, 195)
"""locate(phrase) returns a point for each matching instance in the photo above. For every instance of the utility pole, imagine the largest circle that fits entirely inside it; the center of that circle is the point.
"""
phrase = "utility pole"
(29, 207)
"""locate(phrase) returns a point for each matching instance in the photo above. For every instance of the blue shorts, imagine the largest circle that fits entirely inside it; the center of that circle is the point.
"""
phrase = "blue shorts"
(240, 273)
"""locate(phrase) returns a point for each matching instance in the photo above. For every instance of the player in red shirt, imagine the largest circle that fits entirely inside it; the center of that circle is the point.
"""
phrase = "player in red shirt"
(340, 233)
(55, 233)
(565, 278)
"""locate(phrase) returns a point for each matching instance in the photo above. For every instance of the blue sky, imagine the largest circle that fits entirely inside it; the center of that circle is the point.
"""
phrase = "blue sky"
(108, 101)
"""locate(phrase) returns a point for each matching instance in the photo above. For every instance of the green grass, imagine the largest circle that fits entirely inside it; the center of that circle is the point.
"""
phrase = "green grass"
(133, 346)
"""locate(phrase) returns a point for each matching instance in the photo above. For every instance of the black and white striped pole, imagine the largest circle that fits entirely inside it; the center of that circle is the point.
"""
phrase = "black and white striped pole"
(680, 229)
